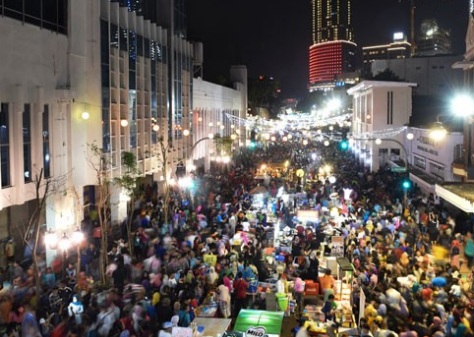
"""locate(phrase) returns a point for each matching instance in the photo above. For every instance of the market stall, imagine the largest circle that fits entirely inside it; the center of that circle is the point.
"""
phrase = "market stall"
(257, 323)
(212, 326)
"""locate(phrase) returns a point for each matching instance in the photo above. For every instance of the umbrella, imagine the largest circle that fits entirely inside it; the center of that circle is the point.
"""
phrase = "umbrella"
(258, 190)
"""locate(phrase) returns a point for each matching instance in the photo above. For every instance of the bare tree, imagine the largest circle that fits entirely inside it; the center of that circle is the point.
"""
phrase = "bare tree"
(31, 233)
(164, 149)
(101, 164)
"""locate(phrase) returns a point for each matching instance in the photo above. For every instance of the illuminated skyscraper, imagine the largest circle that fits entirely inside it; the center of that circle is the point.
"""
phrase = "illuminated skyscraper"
(333, 55)
(332, 20)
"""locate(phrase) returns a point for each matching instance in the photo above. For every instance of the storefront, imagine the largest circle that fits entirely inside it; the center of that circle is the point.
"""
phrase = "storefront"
(259, 323)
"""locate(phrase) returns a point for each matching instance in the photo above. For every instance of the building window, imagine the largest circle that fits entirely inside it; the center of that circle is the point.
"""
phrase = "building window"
(27, 143)
(389, 107)
(46, 155)
(47, 14)
(5, 144)
(419, 162)
(105, 46)
(437, 170)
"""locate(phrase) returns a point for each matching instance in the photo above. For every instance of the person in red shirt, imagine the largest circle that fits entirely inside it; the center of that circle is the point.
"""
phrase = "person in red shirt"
(240, 291)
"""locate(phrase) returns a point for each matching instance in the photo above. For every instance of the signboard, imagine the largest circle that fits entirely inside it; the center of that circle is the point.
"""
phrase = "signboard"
(398, 169)
(259, 323)
(181, 332)
(337, 246)
(256, 331)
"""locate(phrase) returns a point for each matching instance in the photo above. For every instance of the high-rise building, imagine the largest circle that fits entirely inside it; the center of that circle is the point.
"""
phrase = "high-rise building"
(433, 40)
(333, 55)
(332, 20)
(400, 48)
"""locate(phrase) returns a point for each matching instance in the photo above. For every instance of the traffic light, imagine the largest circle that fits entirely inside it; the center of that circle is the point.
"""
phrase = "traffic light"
(406, 184)
(344, 144)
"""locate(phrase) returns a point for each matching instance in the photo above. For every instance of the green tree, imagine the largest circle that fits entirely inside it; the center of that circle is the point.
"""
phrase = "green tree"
(129, 181)
(263, 92)
(387, 75)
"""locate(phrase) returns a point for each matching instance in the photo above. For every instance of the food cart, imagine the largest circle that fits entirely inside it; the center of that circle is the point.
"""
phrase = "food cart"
(257, 323)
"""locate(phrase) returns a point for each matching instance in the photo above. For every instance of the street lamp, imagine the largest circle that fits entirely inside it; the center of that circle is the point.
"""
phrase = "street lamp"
(438, 131)
(51, 239)
(463, 105)
(64, 243)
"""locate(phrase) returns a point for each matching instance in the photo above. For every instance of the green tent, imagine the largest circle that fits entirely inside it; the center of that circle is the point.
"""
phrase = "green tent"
(271, 321)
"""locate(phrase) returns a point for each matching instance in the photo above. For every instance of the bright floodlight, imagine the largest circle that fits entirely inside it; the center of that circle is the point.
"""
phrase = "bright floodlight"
(463, 105)
(334, 104)
(410, 136)
(438, 132)
(378, 141)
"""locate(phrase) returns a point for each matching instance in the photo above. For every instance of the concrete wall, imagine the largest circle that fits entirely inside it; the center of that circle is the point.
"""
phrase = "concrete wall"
(433, 75)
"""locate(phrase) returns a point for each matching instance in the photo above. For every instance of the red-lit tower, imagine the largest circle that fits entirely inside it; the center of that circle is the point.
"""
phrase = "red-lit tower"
(333, 55)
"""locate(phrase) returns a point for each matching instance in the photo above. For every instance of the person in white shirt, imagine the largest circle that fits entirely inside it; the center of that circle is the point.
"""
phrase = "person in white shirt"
(166, 331)
(75, 309)
(298, 287)
(223, 298)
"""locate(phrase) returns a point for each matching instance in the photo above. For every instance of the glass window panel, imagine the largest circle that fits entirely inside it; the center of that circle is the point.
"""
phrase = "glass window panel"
(14, 5)
(147, 48)
(62, 15)
(46, 156)
(50, 11)
(33, 8)
(46, 161)
(4, 124)
(105, 75)
(5, 165)
(104, 42)
(123, 39)
(27, 143)
(114, 36)
(5, 144)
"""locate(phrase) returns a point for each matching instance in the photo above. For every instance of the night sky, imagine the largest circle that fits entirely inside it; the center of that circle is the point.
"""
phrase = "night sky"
(272, 37)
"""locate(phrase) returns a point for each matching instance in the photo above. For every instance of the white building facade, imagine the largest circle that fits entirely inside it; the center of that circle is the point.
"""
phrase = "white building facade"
(380, 112)
(431, 160)
(102, 75)
(217, 110)
(433, 75)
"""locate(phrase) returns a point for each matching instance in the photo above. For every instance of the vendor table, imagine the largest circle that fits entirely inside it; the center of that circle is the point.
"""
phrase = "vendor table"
(213, 326)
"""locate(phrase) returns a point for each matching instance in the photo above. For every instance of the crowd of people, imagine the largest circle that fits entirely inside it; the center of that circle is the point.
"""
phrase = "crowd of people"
(408, 257)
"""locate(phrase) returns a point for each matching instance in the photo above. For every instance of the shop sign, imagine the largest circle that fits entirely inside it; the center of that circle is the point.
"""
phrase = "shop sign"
(258, 331)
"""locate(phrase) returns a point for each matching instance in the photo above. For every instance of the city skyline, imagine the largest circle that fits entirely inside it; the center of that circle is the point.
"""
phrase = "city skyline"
(273, 37)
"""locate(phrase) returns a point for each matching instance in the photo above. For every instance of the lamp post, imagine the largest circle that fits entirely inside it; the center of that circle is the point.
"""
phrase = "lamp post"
(63, 244)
